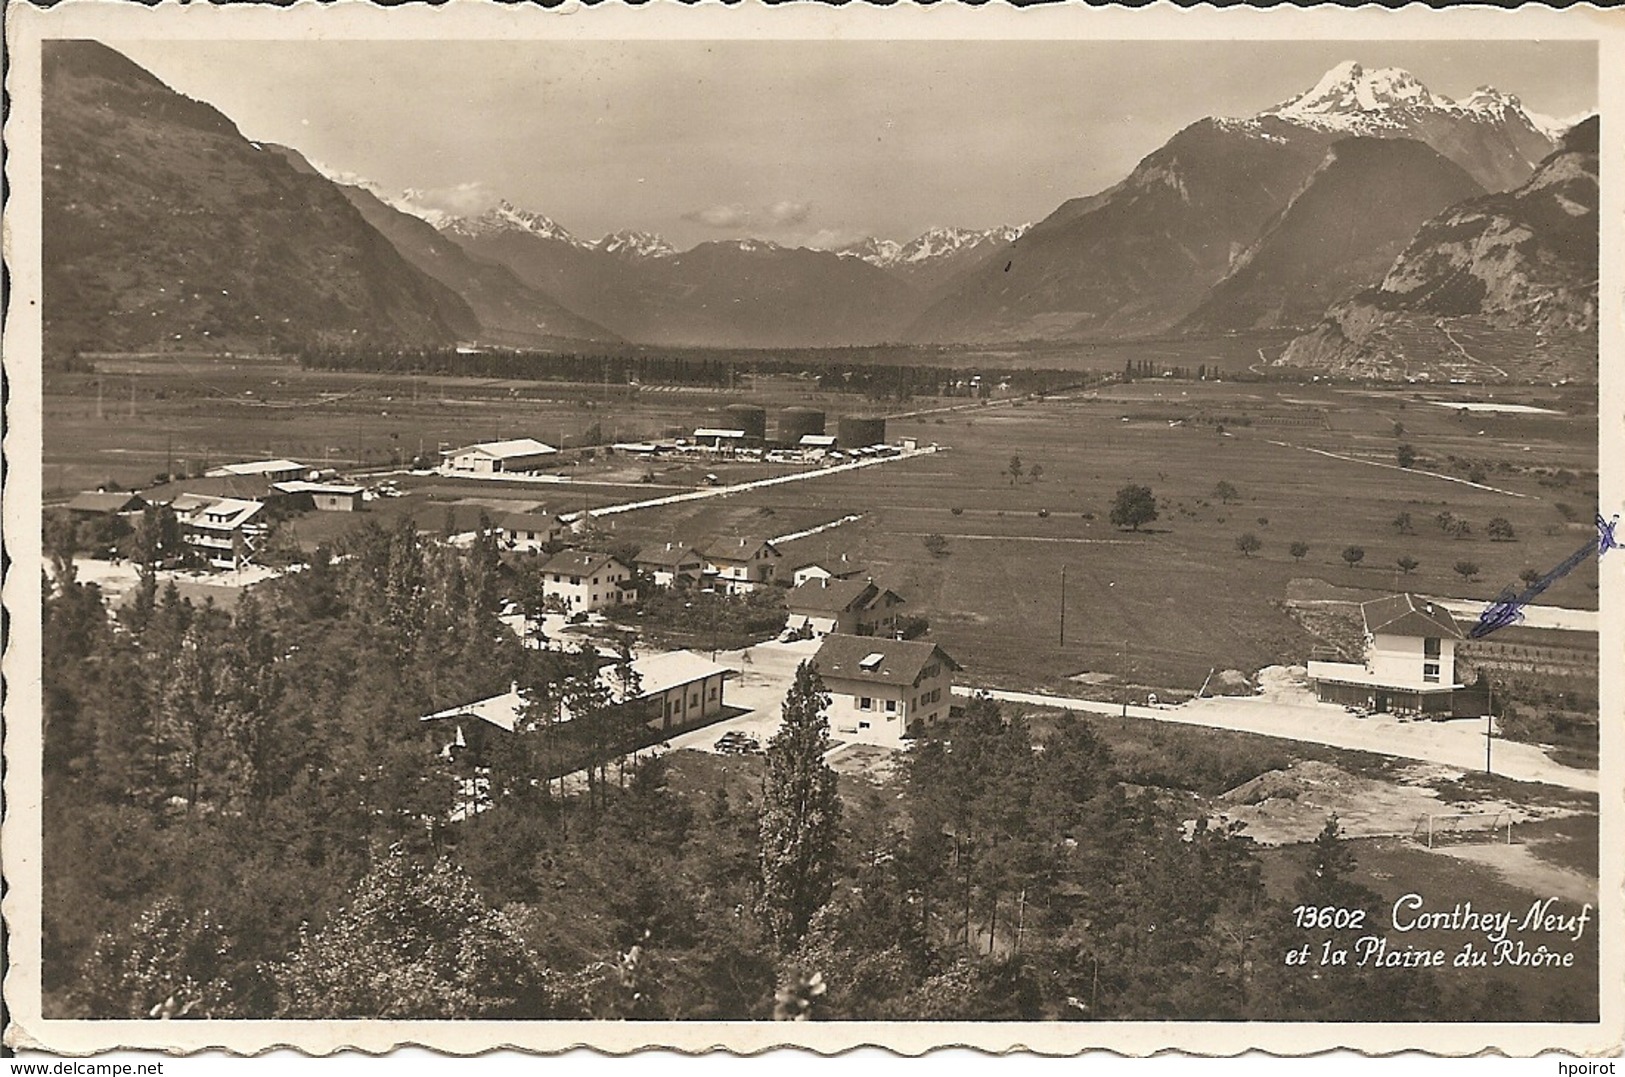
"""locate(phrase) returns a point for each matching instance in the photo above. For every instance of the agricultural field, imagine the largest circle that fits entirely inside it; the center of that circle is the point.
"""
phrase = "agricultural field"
(1164, 606)
(1156, 609)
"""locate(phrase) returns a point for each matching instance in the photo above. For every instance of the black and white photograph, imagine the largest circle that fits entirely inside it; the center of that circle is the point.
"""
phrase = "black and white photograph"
(1057, 532)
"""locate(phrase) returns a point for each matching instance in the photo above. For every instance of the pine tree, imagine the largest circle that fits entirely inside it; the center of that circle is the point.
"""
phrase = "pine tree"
(800, 813)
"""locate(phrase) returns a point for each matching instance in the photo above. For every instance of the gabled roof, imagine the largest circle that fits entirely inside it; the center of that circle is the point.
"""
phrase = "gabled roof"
(668, 554)
(504, 450)
(300, 486)
(578, 563)
(1407, 615)
(841, 569)
(739, 549)
(529, 521)
(501, 711)
(255, 467)
(832, 596)
(663, 672)
(94, 501)
(899, 661)
(233, 513)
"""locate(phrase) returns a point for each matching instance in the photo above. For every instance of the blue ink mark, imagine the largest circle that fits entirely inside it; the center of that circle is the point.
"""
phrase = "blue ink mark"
(1507, 609)
(1605, 534)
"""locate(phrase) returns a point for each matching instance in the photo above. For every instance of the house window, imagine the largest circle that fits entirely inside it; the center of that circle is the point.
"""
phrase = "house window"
(1430, 647)
(1430, 672)
(891, 706)
(866, 703)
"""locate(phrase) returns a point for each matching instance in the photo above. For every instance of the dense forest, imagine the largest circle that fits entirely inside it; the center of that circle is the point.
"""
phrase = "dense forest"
(244, 817)
(832, 371)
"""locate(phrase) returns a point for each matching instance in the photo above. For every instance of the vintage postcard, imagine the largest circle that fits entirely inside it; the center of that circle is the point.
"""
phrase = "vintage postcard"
(725, 527)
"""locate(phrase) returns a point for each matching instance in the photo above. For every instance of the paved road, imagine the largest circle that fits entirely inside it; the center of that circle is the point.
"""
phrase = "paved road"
(1456, 743)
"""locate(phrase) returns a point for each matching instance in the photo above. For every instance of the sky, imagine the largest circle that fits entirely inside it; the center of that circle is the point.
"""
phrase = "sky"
(806, 143)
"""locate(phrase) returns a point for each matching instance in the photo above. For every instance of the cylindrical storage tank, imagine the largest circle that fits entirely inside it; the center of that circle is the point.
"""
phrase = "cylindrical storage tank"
(859, 431)
(796, 423)
(749, 418)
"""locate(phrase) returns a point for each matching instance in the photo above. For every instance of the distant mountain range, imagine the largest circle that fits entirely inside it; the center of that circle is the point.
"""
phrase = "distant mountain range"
(167, 228)
(1141, 257)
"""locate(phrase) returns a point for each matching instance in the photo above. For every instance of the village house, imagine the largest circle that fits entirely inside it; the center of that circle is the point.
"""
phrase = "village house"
(671, 564)
(225, 531)
(96, 503)
(321, 496)
(849, 607)
(582, 581)
(882, 689)
(1410, 660)
(516, 455)
(529, 530)
(739, 566)
(841, 569)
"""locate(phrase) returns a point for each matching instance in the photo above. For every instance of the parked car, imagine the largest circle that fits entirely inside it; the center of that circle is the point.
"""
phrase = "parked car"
(738, 743)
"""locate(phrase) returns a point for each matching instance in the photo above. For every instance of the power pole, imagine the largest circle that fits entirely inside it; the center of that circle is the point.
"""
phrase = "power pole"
(1489, 728)
(1063, 605)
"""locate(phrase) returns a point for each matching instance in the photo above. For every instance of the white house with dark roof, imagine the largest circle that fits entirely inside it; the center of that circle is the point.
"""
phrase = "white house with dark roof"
(516, 455)
(1410, 660)
(881, 689)
(851, 607)
(670, 564)
(738, 566)
(583, 581)
(834, 569)
(529, 530)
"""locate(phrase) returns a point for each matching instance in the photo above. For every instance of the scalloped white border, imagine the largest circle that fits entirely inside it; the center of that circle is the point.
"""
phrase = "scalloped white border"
(665, 19)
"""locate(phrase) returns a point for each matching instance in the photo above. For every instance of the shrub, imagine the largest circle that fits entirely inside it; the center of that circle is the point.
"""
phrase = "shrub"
(1353, 555)
(1500, 530)
(1298, 550)
(1467, 570)
(1248, 544)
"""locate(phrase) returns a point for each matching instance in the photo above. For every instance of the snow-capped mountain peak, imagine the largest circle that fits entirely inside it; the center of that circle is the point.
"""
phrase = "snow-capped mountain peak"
(1349, 92)
(1554, 127)
(880, 252)
(634, 244)
(507, 217)
(932, 245)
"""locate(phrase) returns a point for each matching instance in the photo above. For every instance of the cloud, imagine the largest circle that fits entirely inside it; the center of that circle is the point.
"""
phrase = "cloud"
(782, 214)
(460, 200)
(734, 216)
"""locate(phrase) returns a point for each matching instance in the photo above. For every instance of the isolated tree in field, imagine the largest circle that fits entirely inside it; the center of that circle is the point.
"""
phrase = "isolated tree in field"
(1460, 528)
(1014, 469)
(1407, 564)
(1467, 570)
(1500, 530)
(1134, 506)
(1248, 544)
(935, 545)
(1445, 520)
(1226, 492)
(1035, 473)
(1399, 429)
(1405, 455)
(1298, 550)
(1529, 576)
(800, 815)
(1402, 524)
(1353, 555)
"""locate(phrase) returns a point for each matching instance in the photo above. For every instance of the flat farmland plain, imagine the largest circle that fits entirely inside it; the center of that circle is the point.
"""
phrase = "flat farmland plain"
(1163, 606)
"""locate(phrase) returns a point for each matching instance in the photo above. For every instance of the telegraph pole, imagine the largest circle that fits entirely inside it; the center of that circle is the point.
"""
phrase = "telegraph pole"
(1063, 605)
(1489, 728)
